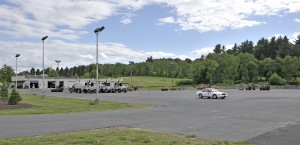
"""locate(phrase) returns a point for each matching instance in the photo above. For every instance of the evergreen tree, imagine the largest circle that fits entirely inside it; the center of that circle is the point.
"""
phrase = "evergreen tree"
(149, 59)
(4, 93)
(38, 72)
(6, 73)
(297, 41)
(14, 98)
(67, 72)
(32, 71)
(218, 49)
(61, 72)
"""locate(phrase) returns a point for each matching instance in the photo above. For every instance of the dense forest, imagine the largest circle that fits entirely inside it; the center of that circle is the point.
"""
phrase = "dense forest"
(275, 60)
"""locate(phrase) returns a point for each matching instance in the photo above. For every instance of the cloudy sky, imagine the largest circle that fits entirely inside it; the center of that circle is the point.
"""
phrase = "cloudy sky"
(135, 29)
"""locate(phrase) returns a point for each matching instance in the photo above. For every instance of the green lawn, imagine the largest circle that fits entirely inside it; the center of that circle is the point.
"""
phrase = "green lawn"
(54, 105)
(114, 136)
(151, 82)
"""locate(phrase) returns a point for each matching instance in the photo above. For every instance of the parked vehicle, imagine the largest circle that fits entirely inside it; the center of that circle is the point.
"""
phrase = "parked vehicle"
(241, 86)
(120, 87)
(265, 87)
(164, 89)
(72, 88)
(78, 86)
(211, 93)
(251, 86)
(106, 88)
(58, 89)
(89, 87)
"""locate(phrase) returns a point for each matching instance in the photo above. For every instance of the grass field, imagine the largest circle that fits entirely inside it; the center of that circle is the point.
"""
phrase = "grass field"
(54, 105)
(151, 82)
(114, 136)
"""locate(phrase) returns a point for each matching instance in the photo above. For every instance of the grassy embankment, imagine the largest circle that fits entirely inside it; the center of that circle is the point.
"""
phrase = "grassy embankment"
(114, 136)
(156, 83)
(54, 105)
(151, 83)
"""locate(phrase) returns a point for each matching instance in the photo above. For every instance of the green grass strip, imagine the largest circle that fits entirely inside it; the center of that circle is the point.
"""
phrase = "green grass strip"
(55, 105)
(114, 136)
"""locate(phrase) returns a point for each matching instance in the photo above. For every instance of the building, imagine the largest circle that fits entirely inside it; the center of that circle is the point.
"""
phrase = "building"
(51, 82)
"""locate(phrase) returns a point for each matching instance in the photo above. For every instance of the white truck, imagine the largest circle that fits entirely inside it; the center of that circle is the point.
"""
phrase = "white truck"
(120, 87)
(89, 87)
(107, 88)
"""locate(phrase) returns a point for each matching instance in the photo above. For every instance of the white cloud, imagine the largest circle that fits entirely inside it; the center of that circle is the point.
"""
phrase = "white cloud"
(294, 37)
(166, 20)
(86, 56)
(126, 21)
(33, 18)
(206, 50)
(212, 15)
(203, 51)
(297, 20)
(70, 54)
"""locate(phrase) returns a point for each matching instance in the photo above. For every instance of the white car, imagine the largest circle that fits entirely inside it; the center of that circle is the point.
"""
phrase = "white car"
(211, 93)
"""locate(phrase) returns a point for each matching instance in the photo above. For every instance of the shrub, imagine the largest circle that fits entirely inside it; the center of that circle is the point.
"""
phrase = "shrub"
(294, 81)
(275, 79)
(14, 98)
(4, 93)
(185, 82)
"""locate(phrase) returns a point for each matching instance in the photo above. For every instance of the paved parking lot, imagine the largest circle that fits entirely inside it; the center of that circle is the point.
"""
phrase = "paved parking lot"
(259, 117)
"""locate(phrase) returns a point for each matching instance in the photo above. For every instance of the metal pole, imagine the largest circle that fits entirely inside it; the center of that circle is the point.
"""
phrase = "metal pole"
(57, 61)
(172, 73)
(172, 80)
(131, 75)
(97, 84)
(43, 92)
(57, 74)
(16, 73)
(97, 31)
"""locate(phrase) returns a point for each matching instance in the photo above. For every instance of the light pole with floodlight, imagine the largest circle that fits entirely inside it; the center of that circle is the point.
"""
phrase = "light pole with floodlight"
(97, 31)
(43, 93)
(17, 55)
(57, 61)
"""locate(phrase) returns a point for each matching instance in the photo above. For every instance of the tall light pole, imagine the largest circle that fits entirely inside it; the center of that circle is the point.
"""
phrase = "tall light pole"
(58, 61)
(172, 73)
(131, 62)
(43, 93)
(17, 55)
(97, 31)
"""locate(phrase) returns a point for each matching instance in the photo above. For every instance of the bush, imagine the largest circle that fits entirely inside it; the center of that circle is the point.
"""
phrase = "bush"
(14, 98)
(275, 79)
(294, 81)
(4, 93)
(185, 82)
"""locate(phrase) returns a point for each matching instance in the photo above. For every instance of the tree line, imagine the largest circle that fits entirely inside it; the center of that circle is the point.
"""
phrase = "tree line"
(275, 60)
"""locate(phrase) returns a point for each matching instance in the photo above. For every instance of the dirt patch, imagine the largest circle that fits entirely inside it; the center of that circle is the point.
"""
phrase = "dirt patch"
(4, 105)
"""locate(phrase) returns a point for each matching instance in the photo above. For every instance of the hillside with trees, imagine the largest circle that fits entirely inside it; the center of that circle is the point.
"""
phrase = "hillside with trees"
(275, 60)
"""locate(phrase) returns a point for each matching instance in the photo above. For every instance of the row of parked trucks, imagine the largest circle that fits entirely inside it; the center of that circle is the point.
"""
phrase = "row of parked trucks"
(104, 87)
(251, 86)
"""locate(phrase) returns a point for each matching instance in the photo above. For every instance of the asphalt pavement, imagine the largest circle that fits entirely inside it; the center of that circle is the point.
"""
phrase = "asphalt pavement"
(259, 117)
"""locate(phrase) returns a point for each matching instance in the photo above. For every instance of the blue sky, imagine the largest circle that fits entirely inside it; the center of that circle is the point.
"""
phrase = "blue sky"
(135, 29)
